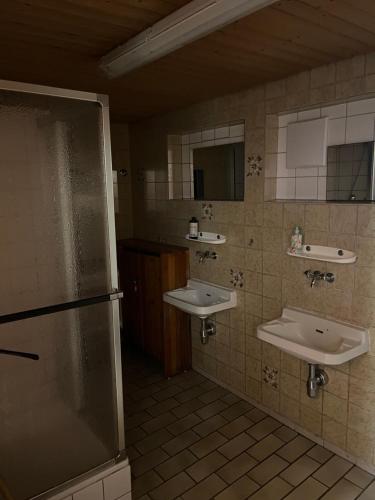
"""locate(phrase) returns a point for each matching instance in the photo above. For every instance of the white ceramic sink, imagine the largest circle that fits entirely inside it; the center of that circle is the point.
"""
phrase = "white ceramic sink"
(201, 298)
(313, 338)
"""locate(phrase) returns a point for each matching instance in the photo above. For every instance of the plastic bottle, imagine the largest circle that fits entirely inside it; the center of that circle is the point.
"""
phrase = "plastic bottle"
(296, 243)
(193, 228)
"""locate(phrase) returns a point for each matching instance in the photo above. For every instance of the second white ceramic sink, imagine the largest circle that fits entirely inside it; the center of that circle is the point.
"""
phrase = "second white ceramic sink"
(201, 298)
(314, 339)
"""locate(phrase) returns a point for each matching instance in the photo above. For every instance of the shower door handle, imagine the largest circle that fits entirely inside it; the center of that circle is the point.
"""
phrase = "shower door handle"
(19, 354)
(115, 295)
(65, 306)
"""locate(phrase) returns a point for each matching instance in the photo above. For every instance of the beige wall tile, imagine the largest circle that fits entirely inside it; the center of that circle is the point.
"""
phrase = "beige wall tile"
(365, 281)
(323, 95)
(272, 307)
(317, 217)
(253, 368)
(272, 239)
(272, 280)
(253, 388)
(338, 382)
(323, 75)
(366, 221)
(253, 347)
(253, 260)
(254, 214)
(360, 445)
(335, 408)
(343, 219)
(270, 397)
(290, 365)
(362, 420)
(365, 249)
(273, 215)
(334, 433)
(311, 420)
(290, 408)
(361, 394)
(350, 68)
(272, 263)
(275, 89)
(314, 237)
(338, 304)
(271, 286)
(363, 310)
(350, 88)
(289, 385)
(294, 215)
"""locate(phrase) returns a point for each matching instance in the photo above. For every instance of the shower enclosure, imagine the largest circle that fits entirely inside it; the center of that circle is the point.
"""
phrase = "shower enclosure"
(61, 410)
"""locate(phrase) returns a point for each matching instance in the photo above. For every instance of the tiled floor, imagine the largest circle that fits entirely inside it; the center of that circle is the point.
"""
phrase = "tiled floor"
(190, 439)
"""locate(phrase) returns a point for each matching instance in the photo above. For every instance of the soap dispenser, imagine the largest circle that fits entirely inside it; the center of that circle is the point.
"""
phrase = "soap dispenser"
(193, 228)
(296, 243)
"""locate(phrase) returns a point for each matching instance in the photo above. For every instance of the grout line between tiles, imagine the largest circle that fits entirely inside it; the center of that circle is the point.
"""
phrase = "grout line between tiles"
(267, 414)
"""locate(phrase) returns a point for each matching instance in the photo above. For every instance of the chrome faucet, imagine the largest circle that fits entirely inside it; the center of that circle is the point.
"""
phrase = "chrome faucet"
(316, 276)
(205, 255)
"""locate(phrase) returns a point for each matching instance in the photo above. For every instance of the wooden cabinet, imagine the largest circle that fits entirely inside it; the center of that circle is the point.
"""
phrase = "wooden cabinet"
(147, 270)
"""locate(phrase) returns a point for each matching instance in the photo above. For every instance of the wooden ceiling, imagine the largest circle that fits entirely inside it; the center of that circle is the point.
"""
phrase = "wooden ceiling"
(59, 42)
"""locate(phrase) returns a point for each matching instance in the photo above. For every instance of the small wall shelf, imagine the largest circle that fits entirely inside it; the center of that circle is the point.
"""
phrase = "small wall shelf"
(210, 238)
(327, 254)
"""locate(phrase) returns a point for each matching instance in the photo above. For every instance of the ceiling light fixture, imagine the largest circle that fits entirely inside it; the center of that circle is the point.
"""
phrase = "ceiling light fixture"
(191, 22)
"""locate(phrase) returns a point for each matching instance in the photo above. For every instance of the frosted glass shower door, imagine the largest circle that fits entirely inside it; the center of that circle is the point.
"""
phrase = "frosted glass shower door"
(60, 415)
(57, 414)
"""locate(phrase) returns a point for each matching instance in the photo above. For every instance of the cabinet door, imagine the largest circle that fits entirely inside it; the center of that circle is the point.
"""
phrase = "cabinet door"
(130, 266)
(152, 306)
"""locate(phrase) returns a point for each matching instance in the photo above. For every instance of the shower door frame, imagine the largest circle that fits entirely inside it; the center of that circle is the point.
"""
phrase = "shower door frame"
(102, 100)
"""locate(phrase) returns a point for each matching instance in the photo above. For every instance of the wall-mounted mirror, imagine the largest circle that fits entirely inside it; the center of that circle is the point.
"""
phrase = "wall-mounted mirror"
(219, 172)
(350, 172)
(207, 164)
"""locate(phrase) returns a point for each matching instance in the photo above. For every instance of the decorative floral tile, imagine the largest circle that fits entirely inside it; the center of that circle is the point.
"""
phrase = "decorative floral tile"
(270, 376)
(237, 278)
(123, 172)
(255, 165)
(207, 211)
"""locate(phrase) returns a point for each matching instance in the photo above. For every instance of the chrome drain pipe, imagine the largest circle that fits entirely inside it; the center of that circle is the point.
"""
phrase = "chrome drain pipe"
(208, 328)
(317, 378)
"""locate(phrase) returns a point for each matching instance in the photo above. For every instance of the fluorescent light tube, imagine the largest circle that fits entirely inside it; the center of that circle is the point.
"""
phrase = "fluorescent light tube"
(193, 21)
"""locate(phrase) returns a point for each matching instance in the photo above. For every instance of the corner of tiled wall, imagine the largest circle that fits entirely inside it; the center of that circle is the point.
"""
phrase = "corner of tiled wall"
(258, 232)
(121, 164)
